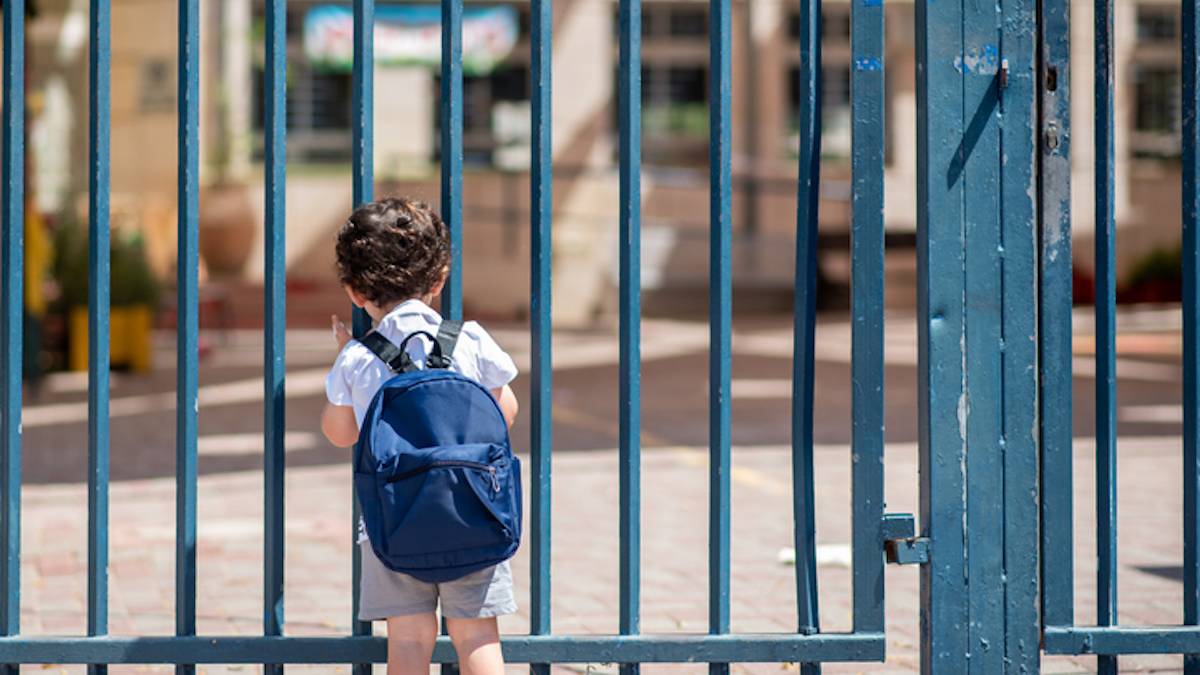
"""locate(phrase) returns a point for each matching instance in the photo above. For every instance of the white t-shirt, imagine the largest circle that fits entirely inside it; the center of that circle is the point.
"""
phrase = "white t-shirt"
(357, 373)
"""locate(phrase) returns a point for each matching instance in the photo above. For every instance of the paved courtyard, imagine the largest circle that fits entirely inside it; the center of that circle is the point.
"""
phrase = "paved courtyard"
(585, 492)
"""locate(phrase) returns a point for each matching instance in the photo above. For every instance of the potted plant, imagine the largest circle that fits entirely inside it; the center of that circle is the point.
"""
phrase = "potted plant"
(227, 218)
(1157, 277)
(133, 292)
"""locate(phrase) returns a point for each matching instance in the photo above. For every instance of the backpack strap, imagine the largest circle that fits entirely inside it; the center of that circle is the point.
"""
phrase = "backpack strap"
(387, 352)
(397, 358)
(444, 343)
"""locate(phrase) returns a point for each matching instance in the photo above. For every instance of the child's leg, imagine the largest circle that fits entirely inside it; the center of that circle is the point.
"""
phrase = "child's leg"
(410, 643)
(477, 642)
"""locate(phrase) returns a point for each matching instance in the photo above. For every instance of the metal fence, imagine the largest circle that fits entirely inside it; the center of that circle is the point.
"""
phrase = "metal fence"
(1107, 638)
(995, 332)
(541, 647)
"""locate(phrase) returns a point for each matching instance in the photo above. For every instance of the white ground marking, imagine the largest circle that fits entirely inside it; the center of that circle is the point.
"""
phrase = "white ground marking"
(761, 389)
(1170, 413)
(252, 444)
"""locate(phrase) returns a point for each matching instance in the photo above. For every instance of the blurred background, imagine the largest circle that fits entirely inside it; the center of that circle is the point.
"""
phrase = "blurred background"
(497, 144)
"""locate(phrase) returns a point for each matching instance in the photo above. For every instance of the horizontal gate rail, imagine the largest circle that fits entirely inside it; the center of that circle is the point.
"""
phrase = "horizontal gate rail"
(744, 648)
(1112, 640)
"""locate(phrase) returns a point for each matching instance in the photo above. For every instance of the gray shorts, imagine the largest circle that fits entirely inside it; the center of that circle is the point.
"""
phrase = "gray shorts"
(479, 595)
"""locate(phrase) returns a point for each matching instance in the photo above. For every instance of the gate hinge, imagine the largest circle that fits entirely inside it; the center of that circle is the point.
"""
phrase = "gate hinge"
(899, 543)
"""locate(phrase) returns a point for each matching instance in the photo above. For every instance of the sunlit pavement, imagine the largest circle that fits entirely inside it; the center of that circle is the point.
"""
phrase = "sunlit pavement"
(585, 488)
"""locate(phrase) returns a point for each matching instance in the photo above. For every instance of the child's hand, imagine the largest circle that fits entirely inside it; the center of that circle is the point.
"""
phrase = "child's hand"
(340, 332)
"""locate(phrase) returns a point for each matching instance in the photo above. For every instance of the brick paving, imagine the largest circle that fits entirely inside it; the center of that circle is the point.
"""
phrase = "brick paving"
(584, 552)
(675, 492)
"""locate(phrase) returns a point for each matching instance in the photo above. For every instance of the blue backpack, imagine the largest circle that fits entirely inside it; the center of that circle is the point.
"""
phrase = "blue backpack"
(434, 472)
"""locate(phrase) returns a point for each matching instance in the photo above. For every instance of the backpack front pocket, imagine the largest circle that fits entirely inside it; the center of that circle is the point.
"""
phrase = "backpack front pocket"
(445, 508)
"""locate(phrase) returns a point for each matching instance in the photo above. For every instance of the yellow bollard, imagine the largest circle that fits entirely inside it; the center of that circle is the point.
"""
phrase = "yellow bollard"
(129, 338)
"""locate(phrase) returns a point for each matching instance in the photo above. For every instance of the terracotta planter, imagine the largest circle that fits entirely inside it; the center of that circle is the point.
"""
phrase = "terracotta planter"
(227, 228)
(129, 337)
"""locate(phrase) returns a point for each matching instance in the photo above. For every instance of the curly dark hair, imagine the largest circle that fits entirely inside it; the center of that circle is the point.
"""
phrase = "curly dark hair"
(392, 250)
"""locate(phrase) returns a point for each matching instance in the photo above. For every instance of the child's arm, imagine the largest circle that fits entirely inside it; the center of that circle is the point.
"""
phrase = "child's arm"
(508, 403)
(337, 421)
(338, 425)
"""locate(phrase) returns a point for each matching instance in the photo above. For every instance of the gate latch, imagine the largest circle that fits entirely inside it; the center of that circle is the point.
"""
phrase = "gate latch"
(899, 541)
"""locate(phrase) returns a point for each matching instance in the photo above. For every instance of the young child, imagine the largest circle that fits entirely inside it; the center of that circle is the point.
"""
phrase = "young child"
(393, 256)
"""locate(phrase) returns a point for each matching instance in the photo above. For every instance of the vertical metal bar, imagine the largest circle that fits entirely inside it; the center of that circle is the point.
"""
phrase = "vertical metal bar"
(452, 164)
(1054, 316)
(274, 361)
(1106, 333)
(940, 371)
(541, 245)
(12, 196)
(630, 127)
(99, 62)
(866, 258)
(187, 371)
(808, 196)
(720, 317)
(363, 95)
(1191, 308)
(977, 168)
(1018, 234)
(452, 151)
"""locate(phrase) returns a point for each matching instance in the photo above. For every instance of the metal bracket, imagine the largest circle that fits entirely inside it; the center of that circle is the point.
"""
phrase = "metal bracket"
(897, 526)
(899, 543)
(1051, 136)
(911, 551)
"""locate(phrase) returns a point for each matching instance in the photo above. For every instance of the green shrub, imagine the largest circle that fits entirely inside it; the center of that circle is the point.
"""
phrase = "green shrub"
(131, 280)
(1160, 264)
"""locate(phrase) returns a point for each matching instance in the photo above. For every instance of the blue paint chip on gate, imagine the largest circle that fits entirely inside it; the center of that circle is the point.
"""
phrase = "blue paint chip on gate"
(868, 63)
(979, 61)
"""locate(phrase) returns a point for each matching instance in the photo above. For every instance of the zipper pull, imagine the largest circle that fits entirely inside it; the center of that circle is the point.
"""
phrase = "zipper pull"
(495, 479)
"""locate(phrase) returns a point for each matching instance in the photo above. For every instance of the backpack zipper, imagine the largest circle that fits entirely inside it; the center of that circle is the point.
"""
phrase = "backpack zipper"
(448, 463)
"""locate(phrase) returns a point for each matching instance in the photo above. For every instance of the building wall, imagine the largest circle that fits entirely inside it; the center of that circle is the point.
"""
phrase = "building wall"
(674, 187)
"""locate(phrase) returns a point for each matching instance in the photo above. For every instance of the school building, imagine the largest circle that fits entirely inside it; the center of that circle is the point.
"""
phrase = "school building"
(496, 139)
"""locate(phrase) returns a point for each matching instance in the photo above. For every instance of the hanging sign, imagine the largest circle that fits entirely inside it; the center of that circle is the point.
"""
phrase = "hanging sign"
(407, 35)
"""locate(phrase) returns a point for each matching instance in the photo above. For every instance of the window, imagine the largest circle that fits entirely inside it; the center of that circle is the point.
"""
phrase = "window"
(835, 107)
(1156, 110)
(835, 83)
(318, 113)
(504, 91)
(674, 83)
(675, 101)
(835, 26)
(687, 22)
(1157, 23)
(318, 101)
(1155, 78)
(682, 23)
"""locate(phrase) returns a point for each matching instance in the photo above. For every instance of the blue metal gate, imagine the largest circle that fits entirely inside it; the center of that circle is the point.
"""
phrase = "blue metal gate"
(994, 318)
(1106, 638)
(541, 647)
